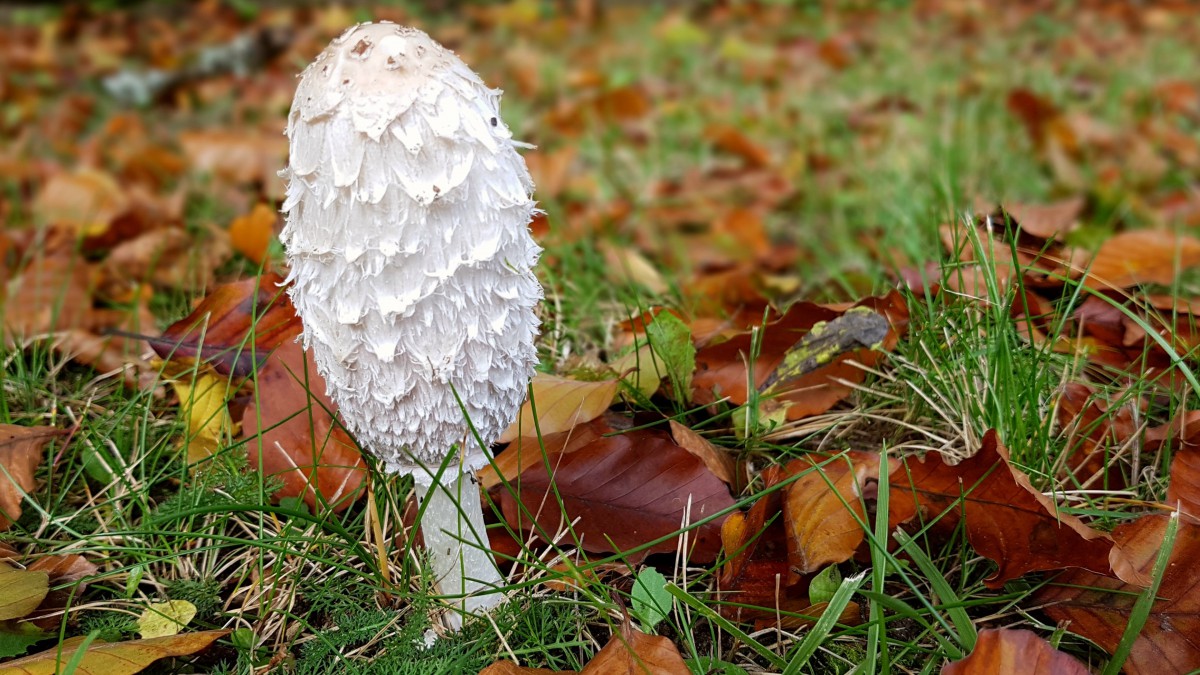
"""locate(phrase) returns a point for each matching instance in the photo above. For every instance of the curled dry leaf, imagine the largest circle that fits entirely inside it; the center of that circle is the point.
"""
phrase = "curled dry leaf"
(1000, 651)
(718, 460)
(1006, 519)
(562, 404)
(112, 658)
(216, 331)
(1098, 607)
(22, 450)
(620, 491)
(294, 436)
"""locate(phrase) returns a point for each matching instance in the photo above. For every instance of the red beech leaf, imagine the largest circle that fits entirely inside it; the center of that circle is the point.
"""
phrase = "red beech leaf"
(300, 442)
(1098, 607)
(1007, 520)
(625, 489)
(1001, 651)
(217, 331)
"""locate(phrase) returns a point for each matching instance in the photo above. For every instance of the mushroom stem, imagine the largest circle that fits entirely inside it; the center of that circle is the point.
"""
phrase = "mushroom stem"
(456, 539)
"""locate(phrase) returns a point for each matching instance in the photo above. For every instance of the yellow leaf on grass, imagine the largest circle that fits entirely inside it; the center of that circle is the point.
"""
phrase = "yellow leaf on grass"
(209, 425)
(111, 658)
(163, 619)
(21, 591)
(561, 405)
(641, 369)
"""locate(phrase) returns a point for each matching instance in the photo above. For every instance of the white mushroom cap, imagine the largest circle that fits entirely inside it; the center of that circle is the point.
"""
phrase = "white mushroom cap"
(411, 260)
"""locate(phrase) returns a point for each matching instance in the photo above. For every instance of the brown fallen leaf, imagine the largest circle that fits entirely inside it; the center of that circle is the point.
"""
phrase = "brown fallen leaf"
(1006, 519)
(621, 491)
(21, 453)
(1047, 221)
(217, 331)
(111, 658)
(1098, 607)
(1001, 651)
(70, 570)
(628, 652)
(1142, 257)
(562, 404)
(525, 452)
(52, 293)
(85, 200)
(169, 257)
(294, 437)
(718, 460)
(823, 510)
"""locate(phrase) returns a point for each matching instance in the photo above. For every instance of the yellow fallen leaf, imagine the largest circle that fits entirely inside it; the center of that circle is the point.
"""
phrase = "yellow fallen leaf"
(641, 369)
(21, 591)
(209, 425)
(163, 619)
(561, 404)
(111, 658)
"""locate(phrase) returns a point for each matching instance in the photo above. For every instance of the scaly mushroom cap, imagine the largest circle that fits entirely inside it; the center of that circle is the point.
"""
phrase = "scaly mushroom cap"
(407, 233)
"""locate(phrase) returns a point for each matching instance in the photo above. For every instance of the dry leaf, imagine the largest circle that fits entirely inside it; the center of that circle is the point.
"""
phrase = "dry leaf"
(1001, 651)
(111, 658)
(562, 404)
(251, 234)
(294, 436)
(204, 398)
(21, 453)
(1142, 257)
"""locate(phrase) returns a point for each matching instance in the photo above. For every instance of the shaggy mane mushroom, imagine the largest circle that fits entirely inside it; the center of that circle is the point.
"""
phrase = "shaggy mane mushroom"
(411, 269)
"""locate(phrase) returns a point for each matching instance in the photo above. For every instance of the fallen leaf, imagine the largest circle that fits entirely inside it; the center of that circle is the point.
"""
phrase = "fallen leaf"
(53, 292)
(21, 591)
(1142, 257)
(626, 266)
(621, 491)
(251, 234)
(562, 404)
(245, 156)
(1098, 607)
(169, 257)
(628, 652)
(632, 652)
(1006, 519)
(718, 460)
(70, 571)
(1047, 221)
(525, 452)
(21, 453)
(162, 619)
(1000, 651)
(86, 200)
(234, 328)
(111, 658)
(294, 437)
(823, 510)
(204, 400)
(732, 140)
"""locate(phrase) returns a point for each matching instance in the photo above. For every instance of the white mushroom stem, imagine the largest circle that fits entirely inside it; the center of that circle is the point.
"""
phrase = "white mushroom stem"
(456, 540)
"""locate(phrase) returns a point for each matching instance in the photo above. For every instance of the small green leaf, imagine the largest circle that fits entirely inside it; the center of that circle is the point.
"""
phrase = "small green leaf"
(17, 637)
(671, 341)
(651, 601)
(824, 585)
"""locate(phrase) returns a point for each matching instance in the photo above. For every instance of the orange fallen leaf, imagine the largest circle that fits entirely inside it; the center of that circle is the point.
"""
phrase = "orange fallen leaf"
(21, 453)
(628, 652)
(1003, 651)
(823, 510)
(250, 234)
(1142, 257)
